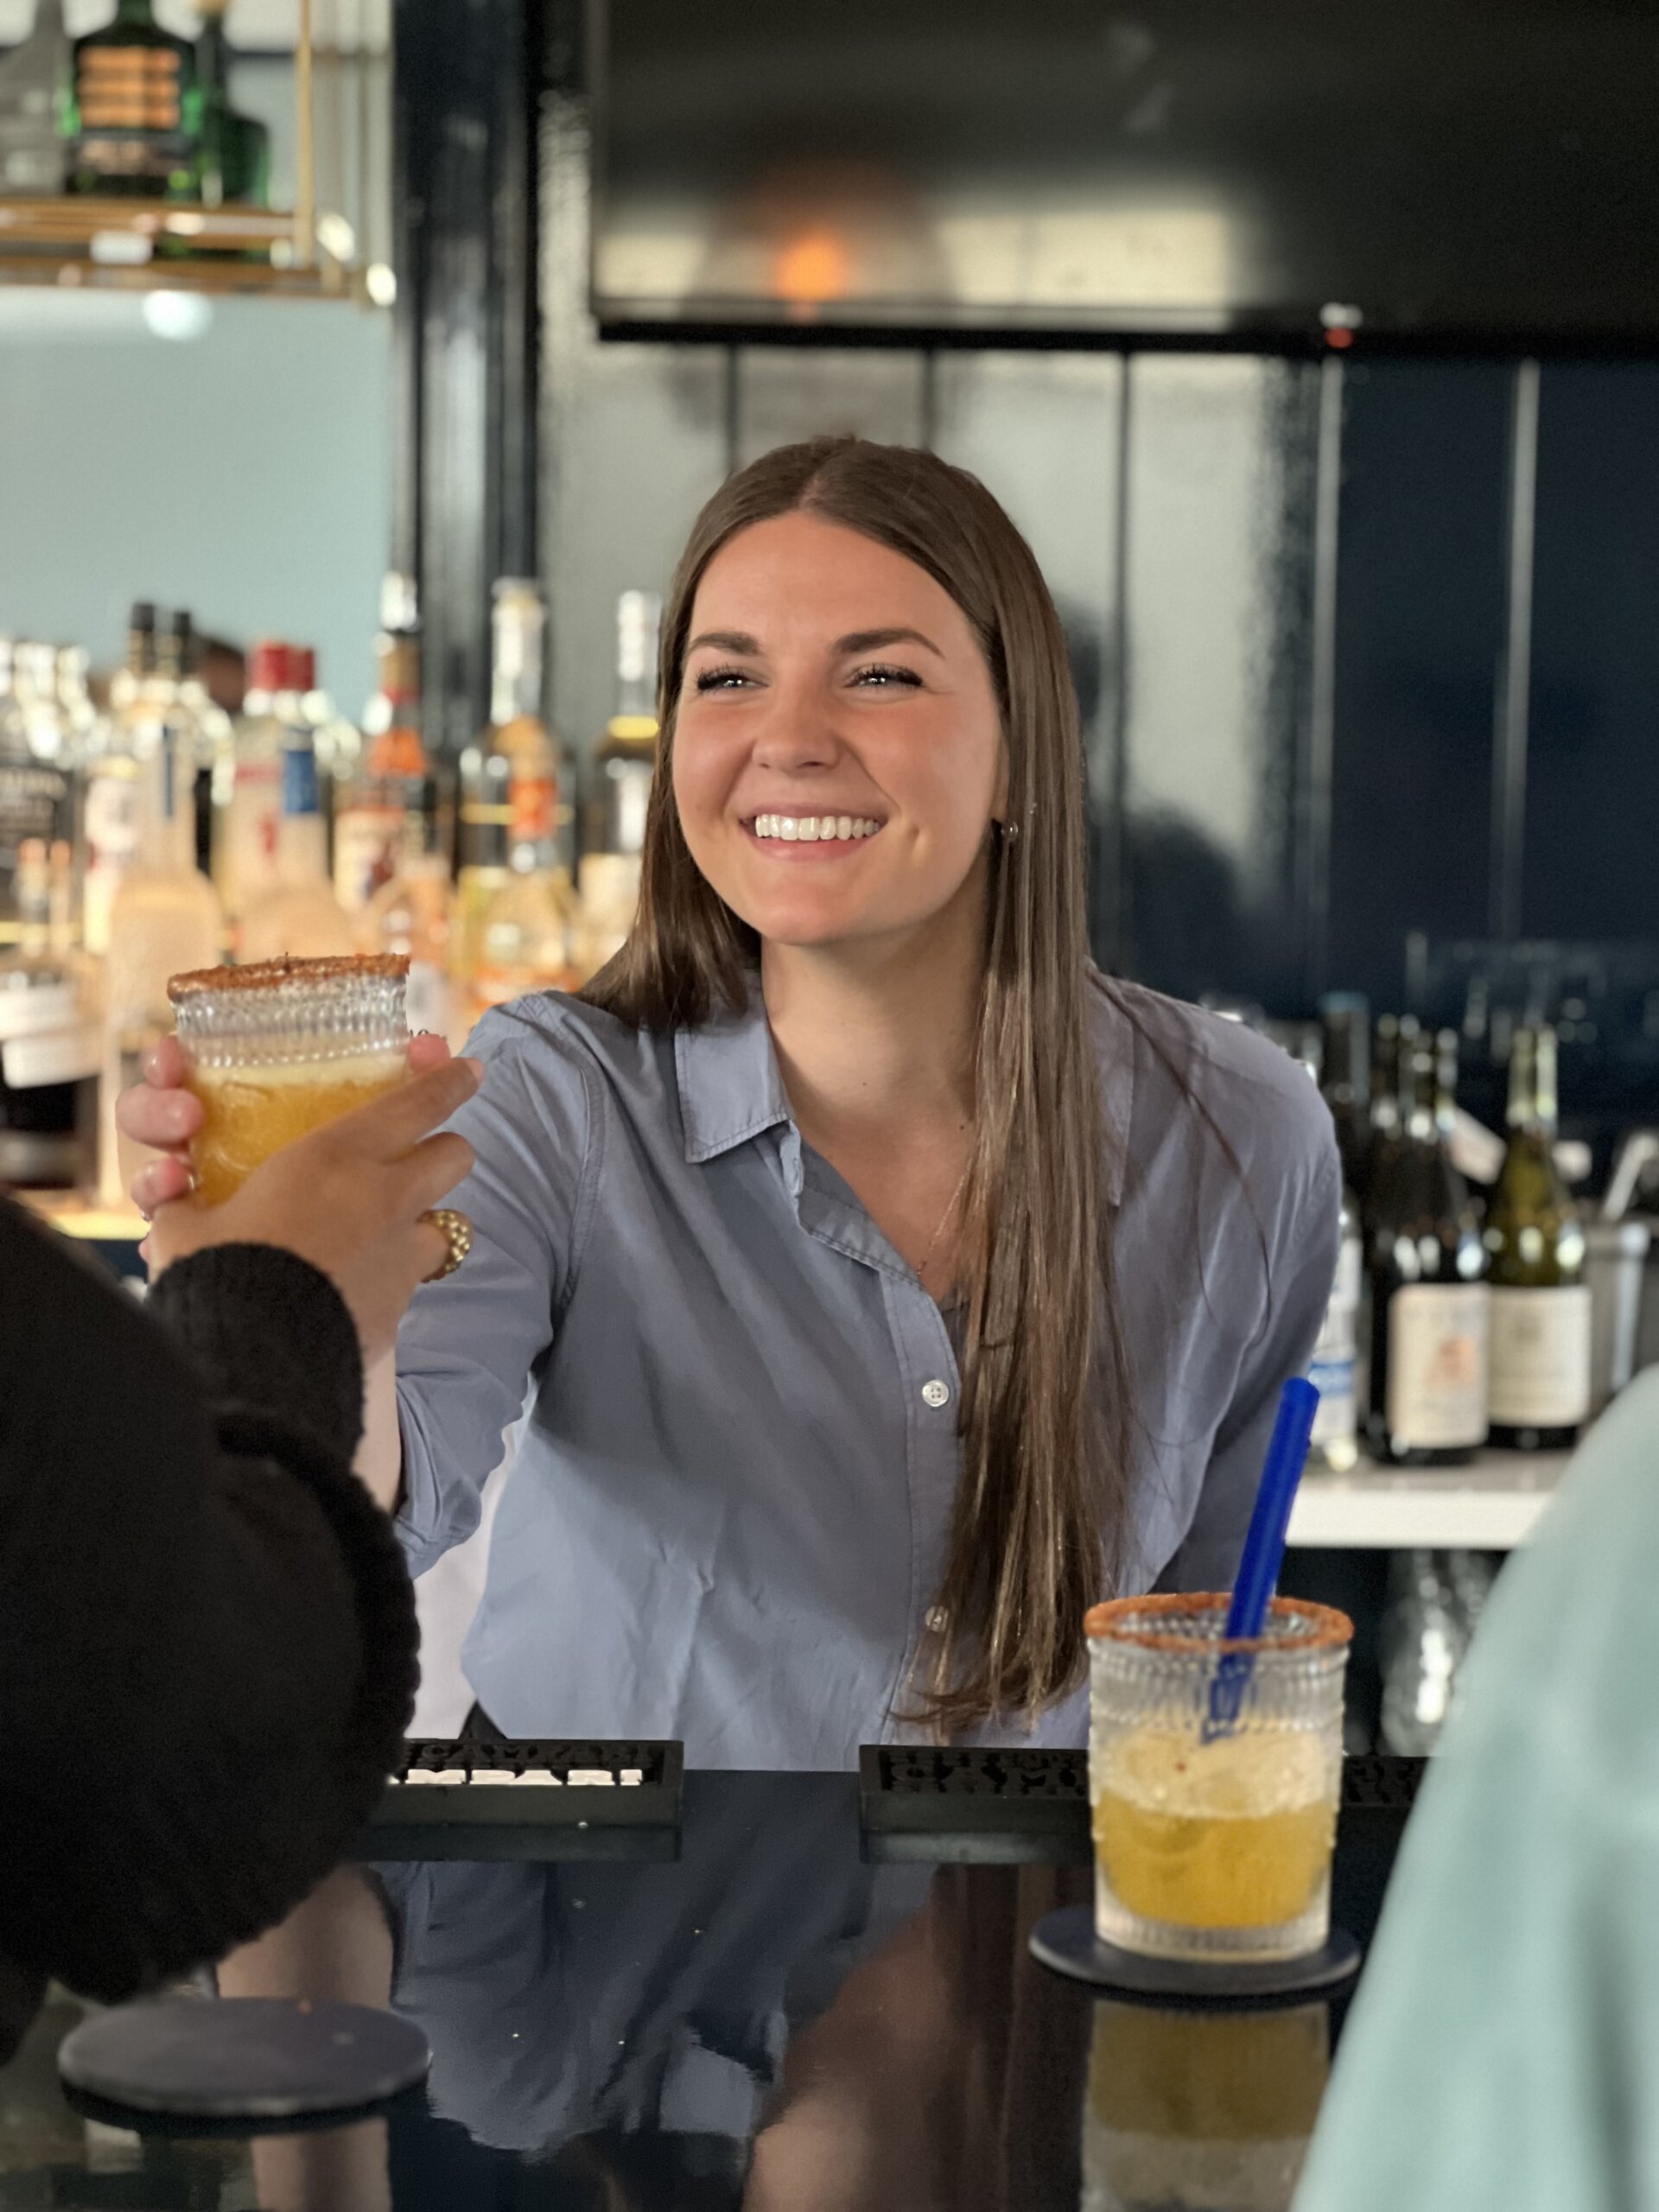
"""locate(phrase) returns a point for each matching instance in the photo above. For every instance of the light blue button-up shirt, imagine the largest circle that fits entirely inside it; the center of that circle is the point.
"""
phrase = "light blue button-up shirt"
(728, 1516)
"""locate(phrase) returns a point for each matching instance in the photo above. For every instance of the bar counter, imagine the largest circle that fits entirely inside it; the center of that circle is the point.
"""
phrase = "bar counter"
(789, 2014)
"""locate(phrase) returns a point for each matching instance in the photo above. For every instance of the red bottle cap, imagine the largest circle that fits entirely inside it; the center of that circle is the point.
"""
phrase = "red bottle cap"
(267, 665)
(304, 676)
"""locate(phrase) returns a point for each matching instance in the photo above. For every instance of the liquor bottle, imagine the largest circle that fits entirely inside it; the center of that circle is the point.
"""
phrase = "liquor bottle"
(247, 856)
(377, 804)
(625, 763)
(34, 99)
(1334, 1369)
(233, 150)
(136, 108)
(301, 917)
(1540, 1302)
(1431, 1303)
(34, 782)
(412, 915)
(525, 939)
(113, 805)
(166, 917)
(519, 624)
(486, 850)
(1346, 1080)
(1424, 1641)
(50, 1040)
(208, 736)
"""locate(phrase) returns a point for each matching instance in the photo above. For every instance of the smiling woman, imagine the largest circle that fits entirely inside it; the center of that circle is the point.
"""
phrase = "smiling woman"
(882, 1285)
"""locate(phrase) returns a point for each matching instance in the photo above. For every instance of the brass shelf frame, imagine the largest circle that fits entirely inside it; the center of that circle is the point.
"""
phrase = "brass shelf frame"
(74, 241)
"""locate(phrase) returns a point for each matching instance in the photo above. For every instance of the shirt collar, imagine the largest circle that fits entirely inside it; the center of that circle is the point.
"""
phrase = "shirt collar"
(730, 1089)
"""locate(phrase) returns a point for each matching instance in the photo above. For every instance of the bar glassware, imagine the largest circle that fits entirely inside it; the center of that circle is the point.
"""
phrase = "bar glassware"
(1211, 1846)
(275, 1049)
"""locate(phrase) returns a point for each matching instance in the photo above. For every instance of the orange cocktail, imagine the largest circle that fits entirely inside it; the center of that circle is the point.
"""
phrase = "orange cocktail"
(1213, 1841)
(277, 1049)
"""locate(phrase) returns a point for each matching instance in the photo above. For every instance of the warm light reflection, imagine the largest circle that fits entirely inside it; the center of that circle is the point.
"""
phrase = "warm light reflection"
(815, 267)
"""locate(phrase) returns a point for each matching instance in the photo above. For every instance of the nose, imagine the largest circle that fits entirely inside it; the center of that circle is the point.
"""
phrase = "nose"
(797, 734)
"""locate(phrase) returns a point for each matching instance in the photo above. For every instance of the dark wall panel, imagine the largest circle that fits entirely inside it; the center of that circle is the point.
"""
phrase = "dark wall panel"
(1420, 620)
(1217, 530)
(1593, 777)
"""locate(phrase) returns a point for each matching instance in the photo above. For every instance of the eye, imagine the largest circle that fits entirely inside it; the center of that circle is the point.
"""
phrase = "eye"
(720, 679)
(883, 675)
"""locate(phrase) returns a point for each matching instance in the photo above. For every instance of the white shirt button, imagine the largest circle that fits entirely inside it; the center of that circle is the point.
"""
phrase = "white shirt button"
(936, 1394)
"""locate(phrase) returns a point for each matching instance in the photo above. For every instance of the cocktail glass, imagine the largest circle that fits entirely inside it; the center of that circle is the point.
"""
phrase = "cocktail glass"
(1209, 1845)
(275, 1049)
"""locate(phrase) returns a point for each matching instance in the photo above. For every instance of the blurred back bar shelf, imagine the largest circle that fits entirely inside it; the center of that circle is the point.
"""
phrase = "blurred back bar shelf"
(137, 245)
(1492, 1506)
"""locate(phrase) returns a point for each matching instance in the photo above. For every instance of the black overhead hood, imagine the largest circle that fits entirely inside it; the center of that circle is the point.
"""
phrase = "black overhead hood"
(1451, 174)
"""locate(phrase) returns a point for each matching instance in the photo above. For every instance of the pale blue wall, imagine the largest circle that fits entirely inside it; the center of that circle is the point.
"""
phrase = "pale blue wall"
(243, 474)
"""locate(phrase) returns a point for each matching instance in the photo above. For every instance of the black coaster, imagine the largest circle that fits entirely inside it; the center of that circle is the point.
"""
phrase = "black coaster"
(250, 2058)
(1066, 1942)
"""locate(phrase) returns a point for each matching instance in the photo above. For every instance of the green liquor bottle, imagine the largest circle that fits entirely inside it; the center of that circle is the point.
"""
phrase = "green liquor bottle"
(136, 109)
(233, 158)
(1540, 1302)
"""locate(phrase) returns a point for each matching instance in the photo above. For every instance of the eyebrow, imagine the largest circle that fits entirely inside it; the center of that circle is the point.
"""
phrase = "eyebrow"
(856, 641)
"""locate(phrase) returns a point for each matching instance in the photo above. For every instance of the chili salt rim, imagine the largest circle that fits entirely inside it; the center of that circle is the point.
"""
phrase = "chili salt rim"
(273, 975)
(1330, 1627)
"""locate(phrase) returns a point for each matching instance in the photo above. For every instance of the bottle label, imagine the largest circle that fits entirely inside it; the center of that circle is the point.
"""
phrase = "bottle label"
(535, 809)
(367, 843)
(1540, 1356)
(1332, 1369)
(426, 998)
(1438, 1341)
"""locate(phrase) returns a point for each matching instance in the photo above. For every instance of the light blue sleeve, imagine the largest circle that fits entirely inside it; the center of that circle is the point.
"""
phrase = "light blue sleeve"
(1504, 2045)
(470, 1346)
(1303, 1230)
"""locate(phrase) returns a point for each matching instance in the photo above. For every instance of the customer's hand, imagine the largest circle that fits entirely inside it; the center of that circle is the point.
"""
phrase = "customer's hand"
(349, 1198)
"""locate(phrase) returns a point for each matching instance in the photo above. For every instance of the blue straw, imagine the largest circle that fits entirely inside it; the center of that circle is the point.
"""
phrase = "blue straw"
(1264, 1549)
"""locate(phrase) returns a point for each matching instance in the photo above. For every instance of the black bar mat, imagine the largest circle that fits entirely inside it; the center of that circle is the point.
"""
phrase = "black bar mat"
(539, 1799)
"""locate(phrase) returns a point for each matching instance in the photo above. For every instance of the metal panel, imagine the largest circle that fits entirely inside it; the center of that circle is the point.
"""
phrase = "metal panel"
(1420, 626)
(1592, 794)
(1220, 522)
(1043, 431)
(636, 441)
(799, 393)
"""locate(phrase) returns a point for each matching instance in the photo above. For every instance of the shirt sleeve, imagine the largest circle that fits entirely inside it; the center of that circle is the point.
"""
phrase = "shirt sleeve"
(1304, 1230)
(1503, 2043)
(470, 1346)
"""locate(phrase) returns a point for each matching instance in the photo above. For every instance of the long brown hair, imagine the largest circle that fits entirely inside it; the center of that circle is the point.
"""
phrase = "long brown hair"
(1039, 1514)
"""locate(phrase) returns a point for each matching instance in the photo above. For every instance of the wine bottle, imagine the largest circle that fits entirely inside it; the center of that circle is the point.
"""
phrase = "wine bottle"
(1346, 1080)
(1395, 1034)
(1431, 1302)
(1540, 1302)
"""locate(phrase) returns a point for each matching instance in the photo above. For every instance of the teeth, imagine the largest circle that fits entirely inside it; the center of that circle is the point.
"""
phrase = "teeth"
(814, 829)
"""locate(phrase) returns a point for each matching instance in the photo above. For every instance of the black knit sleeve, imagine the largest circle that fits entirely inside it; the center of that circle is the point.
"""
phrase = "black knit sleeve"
(209, 1652)
(269, 1330)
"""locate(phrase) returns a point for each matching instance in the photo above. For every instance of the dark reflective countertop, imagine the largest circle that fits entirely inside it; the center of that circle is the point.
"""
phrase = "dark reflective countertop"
(771, 2021)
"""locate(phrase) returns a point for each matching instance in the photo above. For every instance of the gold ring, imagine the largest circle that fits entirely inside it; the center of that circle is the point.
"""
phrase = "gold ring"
(458, 1233)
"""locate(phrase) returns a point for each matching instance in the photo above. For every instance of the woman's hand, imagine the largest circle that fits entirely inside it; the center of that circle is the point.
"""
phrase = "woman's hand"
(349, 1198)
